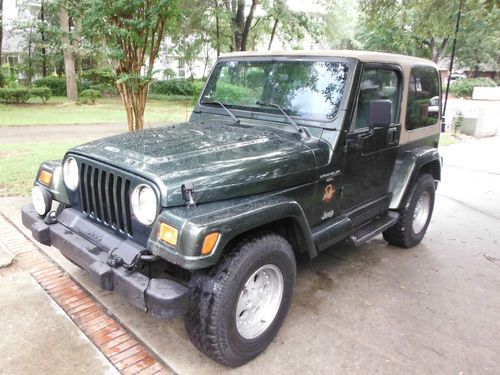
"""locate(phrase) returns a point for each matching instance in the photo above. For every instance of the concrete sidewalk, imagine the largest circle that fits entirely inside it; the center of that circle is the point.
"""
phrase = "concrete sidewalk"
(37, 337)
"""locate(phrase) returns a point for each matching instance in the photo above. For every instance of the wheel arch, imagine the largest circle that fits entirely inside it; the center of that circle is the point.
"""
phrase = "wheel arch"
(409, 166)
(287, 227)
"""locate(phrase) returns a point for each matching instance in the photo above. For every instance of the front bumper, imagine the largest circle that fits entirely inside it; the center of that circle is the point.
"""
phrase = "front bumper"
(164, 298)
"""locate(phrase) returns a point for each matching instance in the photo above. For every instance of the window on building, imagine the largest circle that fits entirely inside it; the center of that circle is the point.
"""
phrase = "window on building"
(423, 93)
(377, 83)
(181, 68)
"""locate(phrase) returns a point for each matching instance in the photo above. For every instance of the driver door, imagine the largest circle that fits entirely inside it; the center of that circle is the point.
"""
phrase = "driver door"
(370, 152)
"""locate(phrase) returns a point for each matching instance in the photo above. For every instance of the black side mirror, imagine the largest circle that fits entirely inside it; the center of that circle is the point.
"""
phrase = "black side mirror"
(379, 113)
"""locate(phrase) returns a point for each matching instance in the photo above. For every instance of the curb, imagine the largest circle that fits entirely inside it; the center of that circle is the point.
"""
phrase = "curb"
(116, 343)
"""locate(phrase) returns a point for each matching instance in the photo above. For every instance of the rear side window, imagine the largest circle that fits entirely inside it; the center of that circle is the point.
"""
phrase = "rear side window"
(377, 84)
(423, 98)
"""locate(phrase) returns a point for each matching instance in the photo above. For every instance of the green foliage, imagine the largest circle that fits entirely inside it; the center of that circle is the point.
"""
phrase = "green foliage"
(96, 77)
(425, 28)
(22, 94)
(228, 93)
(465, 87)
(15, 95)
(457, 123)
(479, 35)
(422, 28)
(2, 79)
(57, 85)
(169, 73)
(169, 98)
(103, 81)
(89, 96)
(178, 86)
(44, 93)
(197, 87)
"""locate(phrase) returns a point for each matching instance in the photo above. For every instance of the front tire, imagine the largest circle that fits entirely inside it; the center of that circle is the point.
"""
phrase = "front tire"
(416, 214)
(237, 307)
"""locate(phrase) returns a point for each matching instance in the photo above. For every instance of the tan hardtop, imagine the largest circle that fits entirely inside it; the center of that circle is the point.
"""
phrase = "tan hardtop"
(365, 56)
(405, 62)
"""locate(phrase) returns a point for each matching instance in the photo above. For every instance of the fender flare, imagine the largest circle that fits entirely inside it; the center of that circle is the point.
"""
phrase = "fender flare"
(231, 221)
(407, 168)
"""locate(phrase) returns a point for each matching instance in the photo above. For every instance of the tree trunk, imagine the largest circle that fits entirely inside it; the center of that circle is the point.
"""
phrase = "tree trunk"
(217, 28)
(248, 24)
(44, 51)
(69, 57)
(135, 105)
(1, 29)
(273, 33)
(238, 23)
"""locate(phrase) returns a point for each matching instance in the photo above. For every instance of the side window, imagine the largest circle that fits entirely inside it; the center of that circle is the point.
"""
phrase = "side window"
(423, 98)
(376, 84)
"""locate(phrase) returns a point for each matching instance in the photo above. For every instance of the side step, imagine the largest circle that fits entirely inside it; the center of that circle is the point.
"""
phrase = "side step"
(369, 230)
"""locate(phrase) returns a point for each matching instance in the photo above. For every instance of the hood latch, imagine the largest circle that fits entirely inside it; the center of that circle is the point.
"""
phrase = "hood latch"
(188, 194)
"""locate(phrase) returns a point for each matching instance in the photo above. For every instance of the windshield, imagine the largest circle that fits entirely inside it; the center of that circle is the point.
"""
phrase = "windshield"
(310, 90)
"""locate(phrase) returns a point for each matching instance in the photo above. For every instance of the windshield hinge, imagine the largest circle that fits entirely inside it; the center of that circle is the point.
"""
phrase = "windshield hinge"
(188, 194)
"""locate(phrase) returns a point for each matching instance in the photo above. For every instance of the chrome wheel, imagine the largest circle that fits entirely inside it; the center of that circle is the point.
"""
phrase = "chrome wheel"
(421, 213)
(259, 301)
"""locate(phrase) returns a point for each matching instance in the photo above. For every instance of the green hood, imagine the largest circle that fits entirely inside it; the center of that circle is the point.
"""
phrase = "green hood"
(222, 161)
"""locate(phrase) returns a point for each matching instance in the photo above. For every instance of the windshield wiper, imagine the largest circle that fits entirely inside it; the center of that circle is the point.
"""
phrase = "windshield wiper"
(300, 130)
(236, 119)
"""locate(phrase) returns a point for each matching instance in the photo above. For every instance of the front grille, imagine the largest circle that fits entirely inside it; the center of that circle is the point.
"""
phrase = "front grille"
(105, 197)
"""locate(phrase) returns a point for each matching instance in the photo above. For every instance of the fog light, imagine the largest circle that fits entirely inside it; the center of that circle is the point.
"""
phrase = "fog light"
(209, 243)
(168, 234)
(42, 200)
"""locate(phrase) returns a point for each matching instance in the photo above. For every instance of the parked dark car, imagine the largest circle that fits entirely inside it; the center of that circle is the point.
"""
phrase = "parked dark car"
(284, 153)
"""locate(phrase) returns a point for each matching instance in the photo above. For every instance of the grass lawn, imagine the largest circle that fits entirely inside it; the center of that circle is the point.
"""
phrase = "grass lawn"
(19, 164)
(106, 110)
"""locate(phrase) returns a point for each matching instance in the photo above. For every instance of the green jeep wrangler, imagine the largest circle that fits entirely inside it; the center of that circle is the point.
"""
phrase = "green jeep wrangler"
(284, 153)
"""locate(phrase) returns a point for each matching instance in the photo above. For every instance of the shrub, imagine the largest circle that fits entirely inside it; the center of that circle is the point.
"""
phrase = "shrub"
(465, 87)
(169, 73)
(99, 77)
(104, 89)
(2, 79)
(457, 122)
(171, 98)
(228, 93)
(15, 95)
(89, 96)
(57, 85)
(103, 81)
(44, 93)
(197, 87)
(177, 86)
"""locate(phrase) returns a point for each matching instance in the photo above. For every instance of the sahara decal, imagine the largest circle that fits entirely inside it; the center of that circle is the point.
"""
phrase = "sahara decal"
(331, 175)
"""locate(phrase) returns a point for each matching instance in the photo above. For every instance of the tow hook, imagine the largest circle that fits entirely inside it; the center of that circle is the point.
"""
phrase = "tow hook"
(51, 217)
(117, 261)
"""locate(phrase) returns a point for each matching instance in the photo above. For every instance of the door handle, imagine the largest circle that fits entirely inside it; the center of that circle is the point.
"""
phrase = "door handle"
(392, 134)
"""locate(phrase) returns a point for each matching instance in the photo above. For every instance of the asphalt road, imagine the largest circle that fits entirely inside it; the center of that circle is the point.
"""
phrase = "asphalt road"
(376, 309)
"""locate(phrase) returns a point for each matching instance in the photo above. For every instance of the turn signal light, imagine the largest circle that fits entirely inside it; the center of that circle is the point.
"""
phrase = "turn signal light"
(168, 234)
(209, 243)
(45, 177)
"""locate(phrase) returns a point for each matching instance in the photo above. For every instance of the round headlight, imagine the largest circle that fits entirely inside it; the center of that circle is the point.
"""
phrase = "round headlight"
(70, 173)
(42, 200)
(144, 204)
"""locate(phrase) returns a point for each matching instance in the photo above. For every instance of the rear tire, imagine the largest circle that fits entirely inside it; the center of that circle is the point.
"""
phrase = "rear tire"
(415, 215)
(237, 307)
